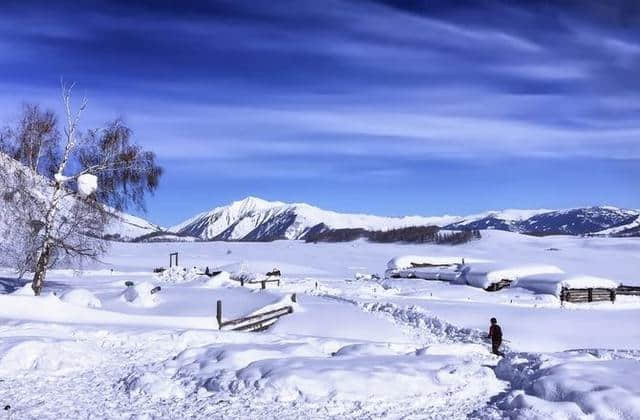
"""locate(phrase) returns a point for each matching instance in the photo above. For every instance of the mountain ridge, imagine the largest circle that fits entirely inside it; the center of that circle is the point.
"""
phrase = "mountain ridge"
(255, 219)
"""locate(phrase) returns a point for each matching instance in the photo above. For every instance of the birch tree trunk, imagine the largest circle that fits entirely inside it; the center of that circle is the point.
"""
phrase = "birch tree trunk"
(44, 254)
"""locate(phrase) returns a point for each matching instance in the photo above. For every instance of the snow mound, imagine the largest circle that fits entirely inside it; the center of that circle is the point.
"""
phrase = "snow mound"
(365, 276)
(140, 295)
(25, 290)
(361, 378)
(455, 273)
(305, 371)
(407, 261)
(81, 297)
(482, 276)
(53, 357)
(206, 361)
(153, 384)
(554, 283)
(571, 385)
(222, 279)
(366, 349)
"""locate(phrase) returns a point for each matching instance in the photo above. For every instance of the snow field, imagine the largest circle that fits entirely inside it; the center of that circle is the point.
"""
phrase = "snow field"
(355, 347)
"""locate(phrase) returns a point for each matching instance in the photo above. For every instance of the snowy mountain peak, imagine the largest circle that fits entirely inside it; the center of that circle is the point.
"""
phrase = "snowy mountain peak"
(252, 203)
(255, 219)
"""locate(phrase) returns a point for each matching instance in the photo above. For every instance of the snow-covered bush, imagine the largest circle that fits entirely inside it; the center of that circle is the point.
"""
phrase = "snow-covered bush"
(140, 295)
(81, 297)
(179, 274)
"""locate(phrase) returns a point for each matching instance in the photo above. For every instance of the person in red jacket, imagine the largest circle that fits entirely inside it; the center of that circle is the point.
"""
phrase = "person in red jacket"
(495, 334)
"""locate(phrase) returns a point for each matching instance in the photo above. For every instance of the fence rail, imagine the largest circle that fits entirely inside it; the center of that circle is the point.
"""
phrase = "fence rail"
(256, 322)
(628, 290)
(263, 282)
(587, 295)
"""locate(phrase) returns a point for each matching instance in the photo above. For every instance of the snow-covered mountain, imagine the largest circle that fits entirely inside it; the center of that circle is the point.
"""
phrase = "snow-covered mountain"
(499, 220)
(259, 220)
(254, 219)
(578, 221)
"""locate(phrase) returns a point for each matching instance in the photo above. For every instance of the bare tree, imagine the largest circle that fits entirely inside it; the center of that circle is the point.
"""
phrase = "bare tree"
(64, 205)
(21, 218)
(34, 141)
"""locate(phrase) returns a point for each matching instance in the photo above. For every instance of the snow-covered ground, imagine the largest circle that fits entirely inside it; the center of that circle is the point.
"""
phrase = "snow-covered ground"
(356, 345)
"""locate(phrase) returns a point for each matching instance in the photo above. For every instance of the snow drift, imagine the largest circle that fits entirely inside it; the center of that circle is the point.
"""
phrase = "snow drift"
(571, 385)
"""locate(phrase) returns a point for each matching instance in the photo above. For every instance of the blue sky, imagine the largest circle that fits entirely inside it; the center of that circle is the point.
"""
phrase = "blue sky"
(387, 107)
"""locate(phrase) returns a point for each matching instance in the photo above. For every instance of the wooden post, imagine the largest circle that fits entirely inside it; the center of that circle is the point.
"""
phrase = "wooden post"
(278, 282)
(294, 298)
(219, 313)
(241, 281)
(590, 295)
(264, 284)
(612, 295)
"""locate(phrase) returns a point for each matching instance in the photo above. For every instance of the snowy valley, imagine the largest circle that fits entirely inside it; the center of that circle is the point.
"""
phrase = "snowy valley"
(231, 313)
(359, 343)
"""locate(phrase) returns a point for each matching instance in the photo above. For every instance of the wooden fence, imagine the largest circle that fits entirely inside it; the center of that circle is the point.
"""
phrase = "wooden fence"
(587, 295)
(263, 283)
(256, 322)
(271, 277)
(628, 290)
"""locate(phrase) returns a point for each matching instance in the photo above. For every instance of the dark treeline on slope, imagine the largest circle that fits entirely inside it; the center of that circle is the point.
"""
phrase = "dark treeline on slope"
(159, 236)
(413, 234)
